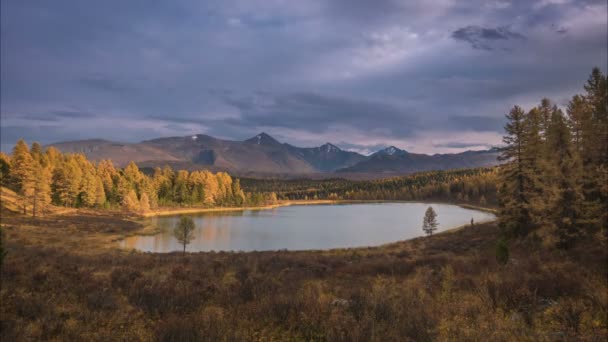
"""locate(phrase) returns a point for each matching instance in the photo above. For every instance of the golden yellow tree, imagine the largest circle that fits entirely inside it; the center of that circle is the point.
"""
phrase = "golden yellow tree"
(100, 194)
(144, 203)
(130, 202)
(22, 170)
(41, 193)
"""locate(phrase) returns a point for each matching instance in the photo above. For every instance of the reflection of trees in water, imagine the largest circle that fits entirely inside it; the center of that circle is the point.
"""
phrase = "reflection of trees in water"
(229, 230)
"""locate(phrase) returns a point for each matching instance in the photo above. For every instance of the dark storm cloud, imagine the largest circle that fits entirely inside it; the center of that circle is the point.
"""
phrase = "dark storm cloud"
(71, 114)
(477, 123)
(368, 73)
(482, 37)
(108, 84)
(315, 113)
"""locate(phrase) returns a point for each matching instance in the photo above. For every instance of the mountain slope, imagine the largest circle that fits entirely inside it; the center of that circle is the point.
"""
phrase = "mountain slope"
(328, 157)
(264, 155)
(119, 153)
(394, 160)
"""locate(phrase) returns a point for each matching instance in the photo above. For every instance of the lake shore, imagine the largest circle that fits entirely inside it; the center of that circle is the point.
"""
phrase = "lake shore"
(197, 210)
(178, 211)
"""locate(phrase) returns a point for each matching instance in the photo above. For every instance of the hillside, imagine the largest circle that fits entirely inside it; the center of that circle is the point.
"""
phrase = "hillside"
(264, 156)
(397, 161)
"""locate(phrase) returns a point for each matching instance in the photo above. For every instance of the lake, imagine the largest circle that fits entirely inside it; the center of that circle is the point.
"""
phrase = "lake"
(302, 227)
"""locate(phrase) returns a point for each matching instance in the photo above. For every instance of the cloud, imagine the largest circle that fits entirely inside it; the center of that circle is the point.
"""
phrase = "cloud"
(365, 73)
(317, 113)
(104, 83)
(484, 38)
(477, 123)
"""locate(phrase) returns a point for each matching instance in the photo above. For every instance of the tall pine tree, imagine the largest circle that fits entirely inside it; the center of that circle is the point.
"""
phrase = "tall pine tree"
(563, 190)
(515, 217)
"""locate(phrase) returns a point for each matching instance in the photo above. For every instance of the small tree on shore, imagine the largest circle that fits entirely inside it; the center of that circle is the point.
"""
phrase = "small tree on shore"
(429, 223)
(184, 231)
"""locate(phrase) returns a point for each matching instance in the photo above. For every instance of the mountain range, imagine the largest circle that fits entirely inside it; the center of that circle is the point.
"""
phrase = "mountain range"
(262, 155)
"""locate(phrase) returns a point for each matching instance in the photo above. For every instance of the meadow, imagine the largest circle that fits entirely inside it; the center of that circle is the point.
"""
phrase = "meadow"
(64, 278)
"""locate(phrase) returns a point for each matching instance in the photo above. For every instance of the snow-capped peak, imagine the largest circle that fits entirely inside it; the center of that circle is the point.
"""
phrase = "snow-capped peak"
(391, 150)
(328, 147)
(194, 137)
(262, 139)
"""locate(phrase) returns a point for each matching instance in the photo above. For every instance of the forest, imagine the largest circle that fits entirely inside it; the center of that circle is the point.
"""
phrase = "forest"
(475, 186)
(70, 180)
(555, 175)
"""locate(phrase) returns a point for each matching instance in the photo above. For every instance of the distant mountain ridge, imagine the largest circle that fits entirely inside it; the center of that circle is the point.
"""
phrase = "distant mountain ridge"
(262, 154)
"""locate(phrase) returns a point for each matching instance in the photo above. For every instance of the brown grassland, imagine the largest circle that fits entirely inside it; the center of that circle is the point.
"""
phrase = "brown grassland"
(64, 278)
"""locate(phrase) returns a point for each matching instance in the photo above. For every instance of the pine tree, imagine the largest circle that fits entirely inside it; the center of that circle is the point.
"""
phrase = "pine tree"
(429, 222)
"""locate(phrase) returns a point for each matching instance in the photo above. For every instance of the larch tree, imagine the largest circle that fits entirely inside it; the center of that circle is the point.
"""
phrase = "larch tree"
(514, 212)
(563, 191)
(181, 192)
(579, 122)
(429, 222)
(595, 160)
(130, 202)
(144, 203)
(60, 186)
(108, 175)
(89, 187)
(533, 156)
(5, 170)
(74, 173)
(184, 231)
(100, 193)
(36, 151)
(23, 172)
(41, 193)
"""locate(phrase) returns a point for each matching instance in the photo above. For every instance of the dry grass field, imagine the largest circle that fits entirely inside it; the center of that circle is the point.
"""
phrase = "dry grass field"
(64, 278)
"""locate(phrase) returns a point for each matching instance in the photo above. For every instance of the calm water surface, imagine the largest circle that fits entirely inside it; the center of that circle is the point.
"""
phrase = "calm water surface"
(304, 227)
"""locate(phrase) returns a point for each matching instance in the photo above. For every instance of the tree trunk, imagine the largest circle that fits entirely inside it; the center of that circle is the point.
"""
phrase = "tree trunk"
(35, 200)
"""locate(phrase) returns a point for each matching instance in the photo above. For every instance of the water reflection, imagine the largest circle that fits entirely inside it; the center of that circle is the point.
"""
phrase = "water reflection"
(304, 227)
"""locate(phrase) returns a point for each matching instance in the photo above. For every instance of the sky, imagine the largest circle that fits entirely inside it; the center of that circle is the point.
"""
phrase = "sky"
(426, 76)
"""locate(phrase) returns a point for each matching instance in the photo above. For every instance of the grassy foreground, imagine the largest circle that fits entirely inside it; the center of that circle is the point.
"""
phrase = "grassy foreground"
(65, 278)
